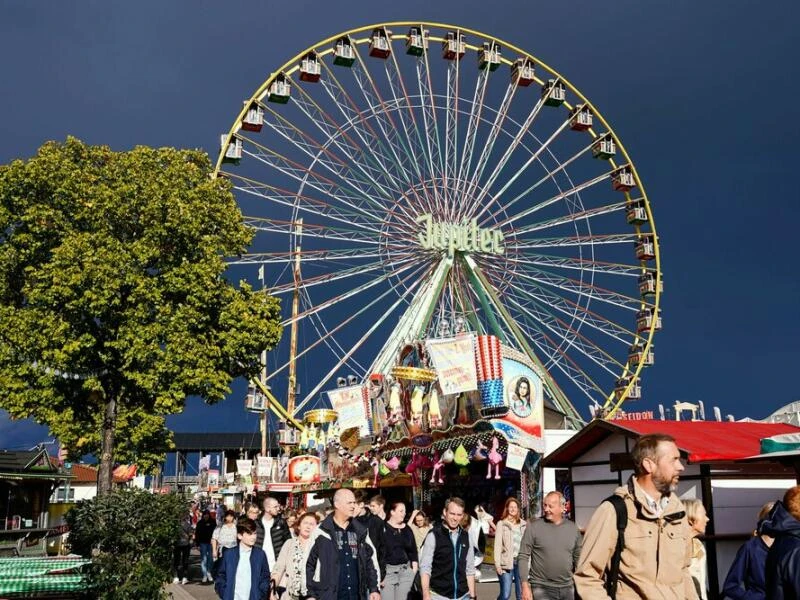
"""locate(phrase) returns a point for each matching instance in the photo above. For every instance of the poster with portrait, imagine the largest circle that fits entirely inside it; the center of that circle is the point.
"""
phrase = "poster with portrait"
(523, 393)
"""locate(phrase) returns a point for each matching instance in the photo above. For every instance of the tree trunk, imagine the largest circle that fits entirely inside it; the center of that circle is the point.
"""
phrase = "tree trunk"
(105, 474)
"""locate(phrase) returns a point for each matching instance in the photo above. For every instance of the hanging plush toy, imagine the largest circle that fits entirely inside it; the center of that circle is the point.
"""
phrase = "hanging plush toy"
(375, 463)
(392, 463)
(461, 458)
(495, 458)
(395, 407)
(417, 395)
(434, 411)
(448, 456)
(479, 452)
(438, 465)
(418, 461)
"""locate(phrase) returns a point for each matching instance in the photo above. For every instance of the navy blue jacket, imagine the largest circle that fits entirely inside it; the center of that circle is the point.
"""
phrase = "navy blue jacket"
(322, 568)
(783, 558)
(746, 578)
(259, 573)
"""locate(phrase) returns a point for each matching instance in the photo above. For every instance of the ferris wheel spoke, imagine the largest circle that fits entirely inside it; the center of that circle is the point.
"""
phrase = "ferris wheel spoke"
(451, 137)
(475, 112)
(493, 135)
(431, 126)
(363, 184)
(577, 264)
(355, 347)
(328, 232)
(355, 154)
(411, 128)
(411, 281)
(562, 195)
(348, 294)
(571, 336)
(302, 203)
(360, 270)
(512, 147)
(569, 241)
(579, 288)
(307, 256)
(571, 218)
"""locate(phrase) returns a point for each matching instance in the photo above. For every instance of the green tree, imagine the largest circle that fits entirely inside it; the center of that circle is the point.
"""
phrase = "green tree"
(129, 535)
(113, 303)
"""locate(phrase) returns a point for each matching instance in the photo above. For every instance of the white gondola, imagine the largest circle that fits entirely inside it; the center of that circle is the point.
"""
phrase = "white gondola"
(622, 179)
(580, 118)
(522, 72)
(636, 355)
(636, 213)
(645, 320)
(604, 147)
(489, 56)
(648, 282)
(554, 92)
(454, 45)
(343, 53)
(280, 89)
(310, 69)
(635, 391)
(379, 43)
(233, 151)
(417, 41)
(253, 119)
(645, 248)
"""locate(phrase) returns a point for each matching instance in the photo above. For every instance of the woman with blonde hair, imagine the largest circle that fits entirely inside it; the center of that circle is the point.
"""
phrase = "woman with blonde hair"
(507, 539)
(289, 571)
(698, 519)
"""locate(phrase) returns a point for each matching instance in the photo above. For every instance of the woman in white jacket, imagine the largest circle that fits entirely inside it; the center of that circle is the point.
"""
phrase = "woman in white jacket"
(290, 567)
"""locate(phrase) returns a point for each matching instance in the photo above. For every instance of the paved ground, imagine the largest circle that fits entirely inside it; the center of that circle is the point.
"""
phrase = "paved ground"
(194, 590)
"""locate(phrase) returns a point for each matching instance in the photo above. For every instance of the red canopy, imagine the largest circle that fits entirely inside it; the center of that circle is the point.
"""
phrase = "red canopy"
(701, 441)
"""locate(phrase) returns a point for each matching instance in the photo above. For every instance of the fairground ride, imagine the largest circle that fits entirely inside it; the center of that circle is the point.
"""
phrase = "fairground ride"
(419, 180)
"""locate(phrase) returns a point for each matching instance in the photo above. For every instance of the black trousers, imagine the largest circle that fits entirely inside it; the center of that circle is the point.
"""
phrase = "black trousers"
(180, 561)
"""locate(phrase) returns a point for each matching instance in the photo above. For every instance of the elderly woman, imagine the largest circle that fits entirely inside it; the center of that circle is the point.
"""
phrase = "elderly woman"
(290, 567)
(696, 515)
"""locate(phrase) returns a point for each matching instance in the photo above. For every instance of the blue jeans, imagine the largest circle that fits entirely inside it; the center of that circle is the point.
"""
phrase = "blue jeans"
(206, 564)
(506, 577)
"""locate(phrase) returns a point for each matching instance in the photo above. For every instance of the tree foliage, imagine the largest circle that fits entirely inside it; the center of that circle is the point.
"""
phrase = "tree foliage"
(113, 299)
(130, 535)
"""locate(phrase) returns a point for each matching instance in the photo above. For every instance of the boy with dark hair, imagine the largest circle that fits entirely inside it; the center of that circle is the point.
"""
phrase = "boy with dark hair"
(244, 572)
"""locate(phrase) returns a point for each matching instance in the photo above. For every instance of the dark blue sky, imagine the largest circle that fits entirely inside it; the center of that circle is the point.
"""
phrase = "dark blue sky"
(699, 92)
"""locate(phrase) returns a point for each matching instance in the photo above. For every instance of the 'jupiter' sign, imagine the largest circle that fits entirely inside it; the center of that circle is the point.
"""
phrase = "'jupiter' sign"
(453, 237)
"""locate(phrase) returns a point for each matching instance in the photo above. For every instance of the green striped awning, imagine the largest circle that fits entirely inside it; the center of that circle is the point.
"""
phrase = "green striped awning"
(40, 577)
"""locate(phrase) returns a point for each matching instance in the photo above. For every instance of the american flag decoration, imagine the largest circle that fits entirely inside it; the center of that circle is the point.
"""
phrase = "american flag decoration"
(489, 360)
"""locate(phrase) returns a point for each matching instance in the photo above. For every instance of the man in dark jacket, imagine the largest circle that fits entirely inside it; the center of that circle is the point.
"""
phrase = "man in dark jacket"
(272, 530)
(783, 558)
(374, 518)
(342, 564)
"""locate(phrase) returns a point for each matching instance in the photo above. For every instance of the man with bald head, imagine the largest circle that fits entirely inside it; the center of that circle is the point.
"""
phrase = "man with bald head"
(343, 563)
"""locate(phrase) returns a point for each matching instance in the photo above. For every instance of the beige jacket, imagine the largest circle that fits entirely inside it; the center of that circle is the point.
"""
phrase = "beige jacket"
(504, 545)
(282, 572)
(655, 560)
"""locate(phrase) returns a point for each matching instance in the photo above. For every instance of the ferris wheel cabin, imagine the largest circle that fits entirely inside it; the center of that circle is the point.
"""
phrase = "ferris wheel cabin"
(554, 93)
(343, 53)
(622, 179)
(279, 89)
(645, 248)
(604, 147)
(522, 72)
(636, 213)
(310, 69)
(489, 56)
(454, 45)
(648, 282)
(379, 43)
(233, 151)
(417, 41)
(253, 119)
(645, 318)
(636, 355)
(635, 393)
(580, 118)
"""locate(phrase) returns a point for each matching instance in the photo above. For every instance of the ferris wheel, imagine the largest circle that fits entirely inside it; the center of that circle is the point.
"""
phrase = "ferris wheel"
(410, 180)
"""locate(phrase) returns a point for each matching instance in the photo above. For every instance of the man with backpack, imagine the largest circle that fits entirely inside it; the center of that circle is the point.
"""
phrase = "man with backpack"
(638, 543)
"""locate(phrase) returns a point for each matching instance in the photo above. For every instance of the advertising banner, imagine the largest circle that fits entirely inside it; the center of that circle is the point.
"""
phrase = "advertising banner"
(264, 468)
(454, 361)
(304, 469)
(516, 457)
(244, 467)
(213, 478)
(523, 425)
(349, 403)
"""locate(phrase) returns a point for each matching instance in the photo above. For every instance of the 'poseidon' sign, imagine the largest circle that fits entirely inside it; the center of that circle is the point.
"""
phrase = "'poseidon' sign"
(463, 238)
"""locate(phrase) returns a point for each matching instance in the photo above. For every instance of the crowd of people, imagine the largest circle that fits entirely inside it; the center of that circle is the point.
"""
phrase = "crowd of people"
(641, 542)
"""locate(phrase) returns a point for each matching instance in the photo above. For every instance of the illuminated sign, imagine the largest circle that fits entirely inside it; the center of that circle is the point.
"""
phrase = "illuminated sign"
(453, 237)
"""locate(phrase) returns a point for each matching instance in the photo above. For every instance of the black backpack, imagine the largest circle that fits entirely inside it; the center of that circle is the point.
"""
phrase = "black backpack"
(612, 574)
